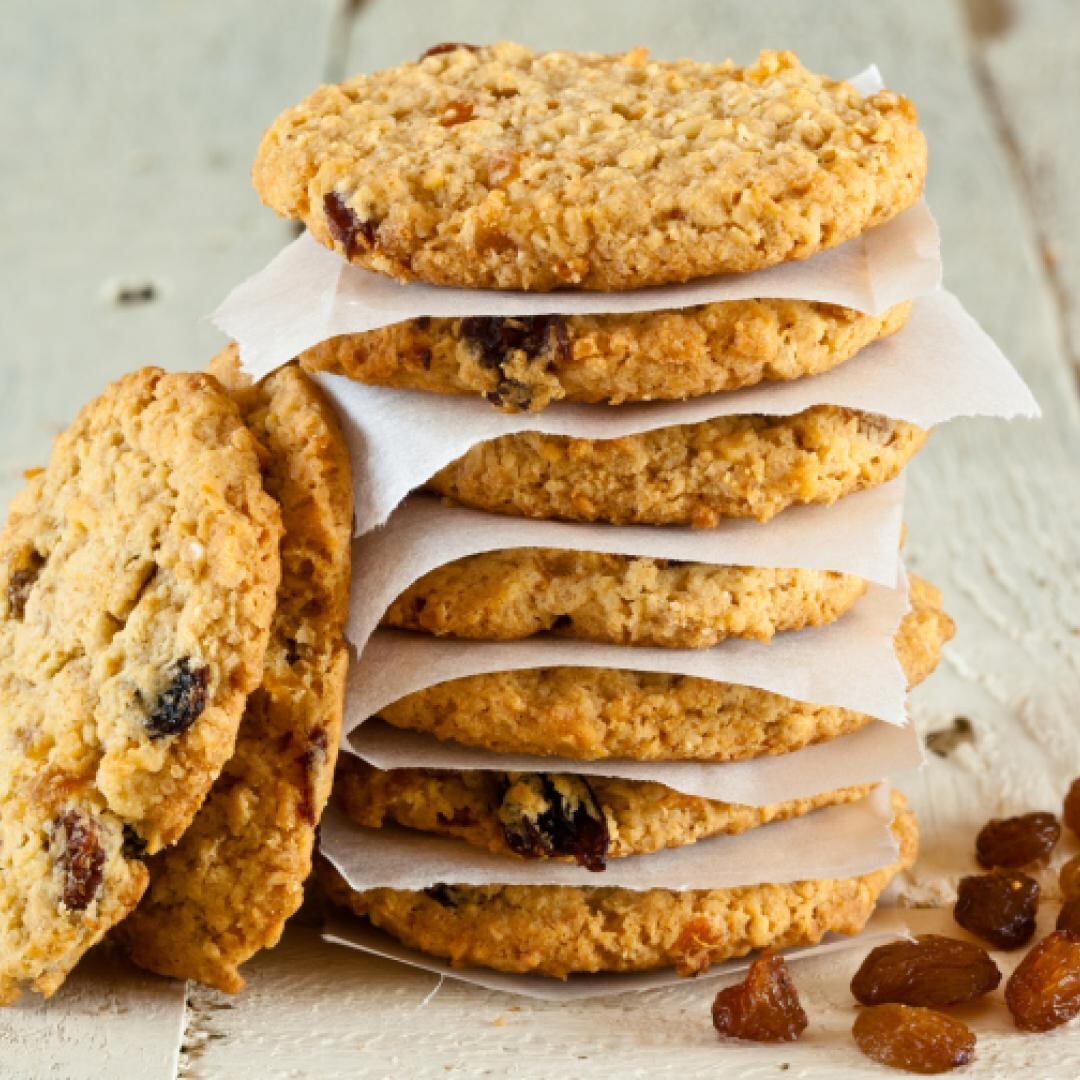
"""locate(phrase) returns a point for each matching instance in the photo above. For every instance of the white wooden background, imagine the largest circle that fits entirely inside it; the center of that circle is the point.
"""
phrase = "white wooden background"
(126, 133)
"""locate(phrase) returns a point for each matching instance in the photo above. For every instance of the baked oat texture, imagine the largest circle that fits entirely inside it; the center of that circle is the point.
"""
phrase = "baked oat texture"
(539, 815)
(503, 168)
(589, 714)
(558, 930)
(692, 474)
(226, 890)
(137, 581)
(527, 363)
(620, 599)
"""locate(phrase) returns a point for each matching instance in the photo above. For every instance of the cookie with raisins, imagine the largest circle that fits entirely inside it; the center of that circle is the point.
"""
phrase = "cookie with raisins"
(227, 888)
(138, 573)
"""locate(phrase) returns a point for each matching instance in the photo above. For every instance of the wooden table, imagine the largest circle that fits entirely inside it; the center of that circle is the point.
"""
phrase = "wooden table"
(127, 133)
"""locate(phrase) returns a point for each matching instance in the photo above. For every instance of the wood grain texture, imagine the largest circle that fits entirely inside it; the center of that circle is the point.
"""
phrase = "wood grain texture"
(127, 138)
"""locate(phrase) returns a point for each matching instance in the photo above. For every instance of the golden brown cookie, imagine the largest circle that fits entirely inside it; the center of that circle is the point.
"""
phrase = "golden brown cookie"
(586, 819)
(594, 713)
(559, 930)
(226, 890)
(621, 599)
(503, 168)
(137, 581)
(693, 474)
(527, 363)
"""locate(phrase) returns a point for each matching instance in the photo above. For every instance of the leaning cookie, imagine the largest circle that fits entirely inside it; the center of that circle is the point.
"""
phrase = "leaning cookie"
(137, 581)
(503, 168)
(594, 713)
(553, 815)
(527, 363)
(226, 890)
(619, 599)
(561, 930)
(692, 474)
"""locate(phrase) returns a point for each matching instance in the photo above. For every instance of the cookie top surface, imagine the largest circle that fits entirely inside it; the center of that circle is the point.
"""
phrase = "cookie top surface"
(503, 168)
(227, 888)
(137, 581)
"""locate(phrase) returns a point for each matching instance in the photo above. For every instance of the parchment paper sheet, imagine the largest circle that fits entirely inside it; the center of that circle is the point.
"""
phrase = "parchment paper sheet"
(850, 663)
(863, 757)
(941, 365)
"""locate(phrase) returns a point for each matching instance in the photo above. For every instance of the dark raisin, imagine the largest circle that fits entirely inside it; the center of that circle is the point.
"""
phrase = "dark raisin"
(1016, 841)
(1070, 878)
(764, 1007)
(445, 47)
(1044, 991)
(82, 860)
(511, 393)
(134, 844)
(913, 1039)
(311, 762)
(1069, 916)
(999, 907)
(546, 815)
(1072, 807)
(541, 338)
(931, 970)
(443, 895)
(21, 583)
(181, 703)
(345, 226)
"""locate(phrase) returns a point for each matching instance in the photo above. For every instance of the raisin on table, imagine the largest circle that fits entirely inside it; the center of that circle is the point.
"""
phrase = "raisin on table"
(1016, 841)
(764, 1007)
(931, 970)
(1044, 991)
(999, 907)
(916, 1040)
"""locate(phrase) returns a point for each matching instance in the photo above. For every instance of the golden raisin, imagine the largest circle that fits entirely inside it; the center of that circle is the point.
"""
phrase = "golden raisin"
(913, 1039)
(1069, 915)
(1071, 812)
(764, 1007)
(1044, 991)
(999, 907)
(1017, 841)
(931, 970)
(1070, 878)
(456, 112)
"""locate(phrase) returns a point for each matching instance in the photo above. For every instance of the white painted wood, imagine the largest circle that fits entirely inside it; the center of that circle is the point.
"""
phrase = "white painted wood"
(127, 133)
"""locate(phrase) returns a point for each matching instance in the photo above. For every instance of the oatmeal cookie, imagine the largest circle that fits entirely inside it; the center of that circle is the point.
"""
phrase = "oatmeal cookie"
(692, 474)
(586, 819)
(594, 713)
(620, 599)
(137, 580)
(558, 930)
(503, 168)
(527, 363)
(227, 888)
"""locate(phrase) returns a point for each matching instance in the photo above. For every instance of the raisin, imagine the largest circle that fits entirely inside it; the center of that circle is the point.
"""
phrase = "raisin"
(311, 762)
(134, 844)
(443, 895)
(82, 861)
(345, 226)
(1044, 991)
(181, 703)
(549, 814)
(913, 1039)
(1016, 841)
(931, 970)
(511, 393)
(445, 47)
(1071, 812)
(999, 907)
(1070, 878)
(494, 339)
(1069, 915)
(764, 1007)
(21, 583)
(456, 112)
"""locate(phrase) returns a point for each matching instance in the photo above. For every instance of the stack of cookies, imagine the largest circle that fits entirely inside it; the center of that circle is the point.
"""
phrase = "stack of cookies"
(501, 169)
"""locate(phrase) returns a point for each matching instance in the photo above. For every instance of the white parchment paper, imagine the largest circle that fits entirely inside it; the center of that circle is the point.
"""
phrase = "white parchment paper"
(859, 536)
(850, 663)
(863, 757)
(837, 842)
(941, 365)
(886, 924)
